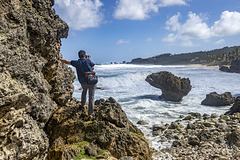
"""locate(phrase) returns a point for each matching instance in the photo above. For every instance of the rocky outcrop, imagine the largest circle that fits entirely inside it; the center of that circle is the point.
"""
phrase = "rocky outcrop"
(201, 137)
(235, 108)
(110, 130)
(224, 68)
(234, 67)
(173, 88)
(34, 85)
(214, 99)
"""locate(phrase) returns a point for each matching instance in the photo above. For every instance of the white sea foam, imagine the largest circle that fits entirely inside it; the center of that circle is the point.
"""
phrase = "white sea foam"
(126, 83)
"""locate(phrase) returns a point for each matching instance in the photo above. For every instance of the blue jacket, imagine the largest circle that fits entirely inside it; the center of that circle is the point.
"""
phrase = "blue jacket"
(82, 66)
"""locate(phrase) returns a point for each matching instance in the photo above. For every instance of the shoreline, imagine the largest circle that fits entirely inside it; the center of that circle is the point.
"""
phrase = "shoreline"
(199, 136)
(202, 66)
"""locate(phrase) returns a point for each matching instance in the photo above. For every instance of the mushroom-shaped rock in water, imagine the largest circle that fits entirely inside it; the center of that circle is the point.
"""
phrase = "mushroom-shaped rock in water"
(173, 88)
(214, 99)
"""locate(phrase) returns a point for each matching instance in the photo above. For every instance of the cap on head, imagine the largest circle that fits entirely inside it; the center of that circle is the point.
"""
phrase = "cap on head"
(81, 54)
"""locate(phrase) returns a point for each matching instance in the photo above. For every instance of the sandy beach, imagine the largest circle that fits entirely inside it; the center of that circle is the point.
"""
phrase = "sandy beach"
(202, 66)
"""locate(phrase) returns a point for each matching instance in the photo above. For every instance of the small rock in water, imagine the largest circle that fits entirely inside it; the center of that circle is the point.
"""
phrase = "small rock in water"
(214, 99)
(141, 122)
(188, 118)
(190, 126)
(159, 127)
(206, 116)
(173, 125)
(196, 115)
(193, 141)
(214, 115)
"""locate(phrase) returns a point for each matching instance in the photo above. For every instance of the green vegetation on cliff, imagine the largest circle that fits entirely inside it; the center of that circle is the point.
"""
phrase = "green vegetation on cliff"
(222, 56)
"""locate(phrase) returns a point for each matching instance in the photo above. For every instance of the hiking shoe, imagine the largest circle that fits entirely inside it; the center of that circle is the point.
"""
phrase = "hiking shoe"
(91, 116)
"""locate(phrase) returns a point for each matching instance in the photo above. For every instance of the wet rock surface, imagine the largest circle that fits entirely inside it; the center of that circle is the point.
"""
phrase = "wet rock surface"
(173, 88)
(214, 99)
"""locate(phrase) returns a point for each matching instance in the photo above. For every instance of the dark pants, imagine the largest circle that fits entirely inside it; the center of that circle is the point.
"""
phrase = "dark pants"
(91, 91)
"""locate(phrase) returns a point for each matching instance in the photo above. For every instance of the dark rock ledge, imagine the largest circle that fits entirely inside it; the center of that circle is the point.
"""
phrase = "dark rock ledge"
(73, 135)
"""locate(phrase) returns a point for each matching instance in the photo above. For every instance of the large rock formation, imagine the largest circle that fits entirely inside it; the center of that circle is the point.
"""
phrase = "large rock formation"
(214, 99)
(110, 130)
(234, 68)
(235, 108)
(34, 84)
(173, 88)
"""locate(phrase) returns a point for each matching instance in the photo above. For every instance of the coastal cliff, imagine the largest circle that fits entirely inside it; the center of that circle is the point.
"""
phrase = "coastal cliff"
(36, 103)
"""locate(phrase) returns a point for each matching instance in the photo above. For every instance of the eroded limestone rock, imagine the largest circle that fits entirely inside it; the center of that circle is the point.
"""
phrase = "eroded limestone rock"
(173, 88)
(214, 99)
(33, 83)
(109, 130)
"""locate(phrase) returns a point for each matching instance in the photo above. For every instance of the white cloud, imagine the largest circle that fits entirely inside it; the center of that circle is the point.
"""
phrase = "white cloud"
(165, 3)
(221, 41)
(122, 41)
(149, 40)
(80, 14)
(228, 25)
(170, 38)
(196, 28)
(173, 23)
(187, 43)
(74, 34)
(140, 9)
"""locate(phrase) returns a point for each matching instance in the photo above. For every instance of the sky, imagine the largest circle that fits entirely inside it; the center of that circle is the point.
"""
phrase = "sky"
(121, 30)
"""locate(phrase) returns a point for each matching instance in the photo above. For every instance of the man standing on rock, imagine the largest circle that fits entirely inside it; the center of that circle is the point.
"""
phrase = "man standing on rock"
(83, 65)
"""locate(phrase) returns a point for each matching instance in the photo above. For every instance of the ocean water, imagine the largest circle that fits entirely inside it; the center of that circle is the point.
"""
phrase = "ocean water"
(126, 83)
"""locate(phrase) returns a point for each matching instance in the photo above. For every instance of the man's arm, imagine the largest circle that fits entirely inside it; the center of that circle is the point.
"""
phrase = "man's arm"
(65, 61)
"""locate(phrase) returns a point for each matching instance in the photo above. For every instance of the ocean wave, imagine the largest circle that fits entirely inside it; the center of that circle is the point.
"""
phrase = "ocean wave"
(126, 83)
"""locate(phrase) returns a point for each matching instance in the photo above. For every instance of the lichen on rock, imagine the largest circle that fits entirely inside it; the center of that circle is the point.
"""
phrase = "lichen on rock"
(109, 130)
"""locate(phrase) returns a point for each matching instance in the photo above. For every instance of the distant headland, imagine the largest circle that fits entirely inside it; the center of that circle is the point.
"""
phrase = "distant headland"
(219, 57)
